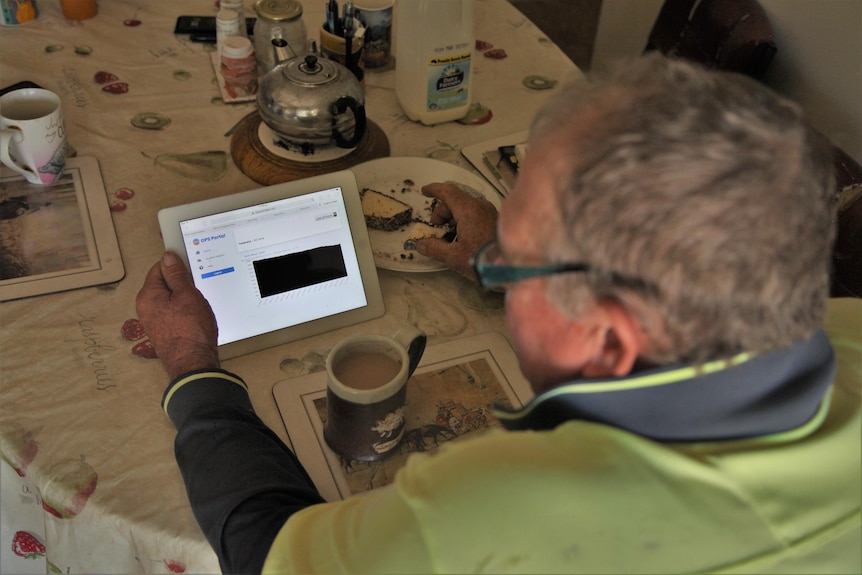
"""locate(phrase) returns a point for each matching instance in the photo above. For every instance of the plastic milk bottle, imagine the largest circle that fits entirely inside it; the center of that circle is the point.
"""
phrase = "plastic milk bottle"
(434, 44)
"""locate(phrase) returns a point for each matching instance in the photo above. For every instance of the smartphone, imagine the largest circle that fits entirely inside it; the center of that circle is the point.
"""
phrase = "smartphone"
(205, 26)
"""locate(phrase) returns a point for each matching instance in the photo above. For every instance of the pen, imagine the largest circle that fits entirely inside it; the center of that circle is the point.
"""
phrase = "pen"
(349, 26)
(349, 17)
(332, 16)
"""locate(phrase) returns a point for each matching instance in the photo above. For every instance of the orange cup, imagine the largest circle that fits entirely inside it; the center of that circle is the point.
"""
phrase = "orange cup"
(79, 9)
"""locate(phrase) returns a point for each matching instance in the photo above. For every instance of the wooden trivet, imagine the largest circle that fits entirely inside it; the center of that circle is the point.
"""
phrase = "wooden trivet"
(266, 168)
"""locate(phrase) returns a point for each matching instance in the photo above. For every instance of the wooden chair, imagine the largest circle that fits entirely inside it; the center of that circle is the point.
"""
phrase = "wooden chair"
(733, 35)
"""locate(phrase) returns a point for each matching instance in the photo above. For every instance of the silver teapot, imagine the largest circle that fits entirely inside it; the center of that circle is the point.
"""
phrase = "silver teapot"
(310, 102)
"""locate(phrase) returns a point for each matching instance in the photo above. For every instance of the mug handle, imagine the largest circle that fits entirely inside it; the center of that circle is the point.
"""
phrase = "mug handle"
(6, 137)
(413, 339)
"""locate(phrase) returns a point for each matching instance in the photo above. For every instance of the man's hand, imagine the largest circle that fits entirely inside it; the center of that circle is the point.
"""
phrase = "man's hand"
(475, 223)
(177, 318)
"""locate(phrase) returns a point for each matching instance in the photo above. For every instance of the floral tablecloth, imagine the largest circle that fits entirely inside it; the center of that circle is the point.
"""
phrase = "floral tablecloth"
(79, 411)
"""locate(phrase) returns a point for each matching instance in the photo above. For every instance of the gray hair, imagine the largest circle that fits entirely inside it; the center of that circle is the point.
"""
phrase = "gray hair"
(709, 192)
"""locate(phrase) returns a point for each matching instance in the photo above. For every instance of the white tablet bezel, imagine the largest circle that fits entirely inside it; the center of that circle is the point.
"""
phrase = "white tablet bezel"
(170, 218)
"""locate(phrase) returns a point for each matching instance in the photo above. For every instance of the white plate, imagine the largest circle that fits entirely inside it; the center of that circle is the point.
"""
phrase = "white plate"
(403, 178)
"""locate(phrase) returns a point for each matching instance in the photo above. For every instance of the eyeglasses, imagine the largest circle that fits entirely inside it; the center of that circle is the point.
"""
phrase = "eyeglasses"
(493, 274)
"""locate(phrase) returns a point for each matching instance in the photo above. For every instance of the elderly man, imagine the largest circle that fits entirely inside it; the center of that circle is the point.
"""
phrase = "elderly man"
(664, 256)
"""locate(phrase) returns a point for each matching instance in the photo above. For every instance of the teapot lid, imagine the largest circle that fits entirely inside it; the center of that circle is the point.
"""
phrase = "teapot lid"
(311, 70)
(278, 10)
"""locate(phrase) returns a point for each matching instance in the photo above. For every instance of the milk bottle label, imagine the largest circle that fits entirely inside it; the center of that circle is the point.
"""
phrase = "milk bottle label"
(448, 81)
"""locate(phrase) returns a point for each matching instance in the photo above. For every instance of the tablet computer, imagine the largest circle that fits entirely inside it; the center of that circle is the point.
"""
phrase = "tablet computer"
(279, 263)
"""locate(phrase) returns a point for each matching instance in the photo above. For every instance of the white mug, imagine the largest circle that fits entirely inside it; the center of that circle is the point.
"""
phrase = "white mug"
(32, 134)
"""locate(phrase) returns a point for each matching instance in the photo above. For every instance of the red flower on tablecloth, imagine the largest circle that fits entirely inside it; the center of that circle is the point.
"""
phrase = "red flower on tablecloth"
(70, 484)
(18, 446)
(118, 206)
(145, 350)
(496, 54)
(27, 545)
(133, 330)
(116, 88)
(110, 82)
(174, 566)
(103, 77)
(124, 193)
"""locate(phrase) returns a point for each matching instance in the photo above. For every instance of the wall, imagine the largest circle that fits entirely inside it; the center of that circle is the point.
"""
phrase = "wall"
(819, 60)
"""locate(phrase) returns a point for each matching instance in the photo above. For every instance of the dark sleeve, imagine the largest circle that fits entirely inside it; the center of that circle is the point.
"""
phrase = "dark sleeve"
(242, 480)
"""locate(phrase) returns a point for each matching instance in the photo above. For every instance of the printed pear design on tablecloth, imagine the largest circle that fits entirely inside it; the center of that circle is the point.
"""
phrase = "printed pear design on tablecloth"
(433, 314)
(18, 446)
(207, 166)
(311, 362)
(70, 484)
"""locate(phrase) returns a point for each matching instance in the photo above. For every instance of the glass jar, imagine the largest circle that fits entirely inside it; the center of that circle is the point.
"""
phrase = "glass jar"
(276, 17)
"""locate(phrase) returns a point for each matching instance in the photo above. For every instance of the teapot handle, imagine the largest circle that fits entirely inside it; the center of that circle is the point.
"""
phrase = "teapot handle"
(339, 107)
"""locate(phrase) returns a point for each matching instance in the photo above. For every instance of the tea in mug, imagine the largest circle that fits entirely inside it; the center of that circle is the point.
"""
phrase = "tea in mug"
(366, 368)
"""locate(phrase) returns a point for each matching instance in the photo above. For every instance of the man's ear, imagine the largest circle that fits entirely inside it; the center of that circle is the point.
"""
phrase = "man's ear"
(616, 341)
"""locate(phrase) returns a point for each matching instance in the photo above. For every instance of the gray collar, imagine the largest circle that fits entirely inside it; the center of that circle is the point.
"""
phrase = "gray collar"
(743, 397)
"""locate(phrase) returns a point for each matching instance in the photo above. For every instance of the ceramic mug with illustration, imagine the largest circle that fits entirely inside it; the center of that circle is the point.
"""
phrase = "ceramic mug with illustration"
(366, 377)
(15, 12)
(376, 16)
(32, 134)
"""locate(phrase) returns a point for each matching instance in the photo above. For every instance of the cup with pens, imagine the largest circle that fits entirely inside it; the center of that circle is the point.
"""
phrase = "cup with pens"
(341, 37)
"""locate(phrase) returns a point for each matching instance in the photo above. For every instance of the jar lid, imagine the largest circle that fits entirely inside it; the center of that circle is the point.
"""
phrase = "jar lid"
(227, 15)
(278, 10)
(237, 47)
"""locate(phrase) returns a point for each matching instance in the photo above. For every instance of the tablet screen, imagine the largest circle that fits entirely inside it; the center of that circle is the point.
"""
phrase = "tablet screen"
(275, 264)
(279, 263)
